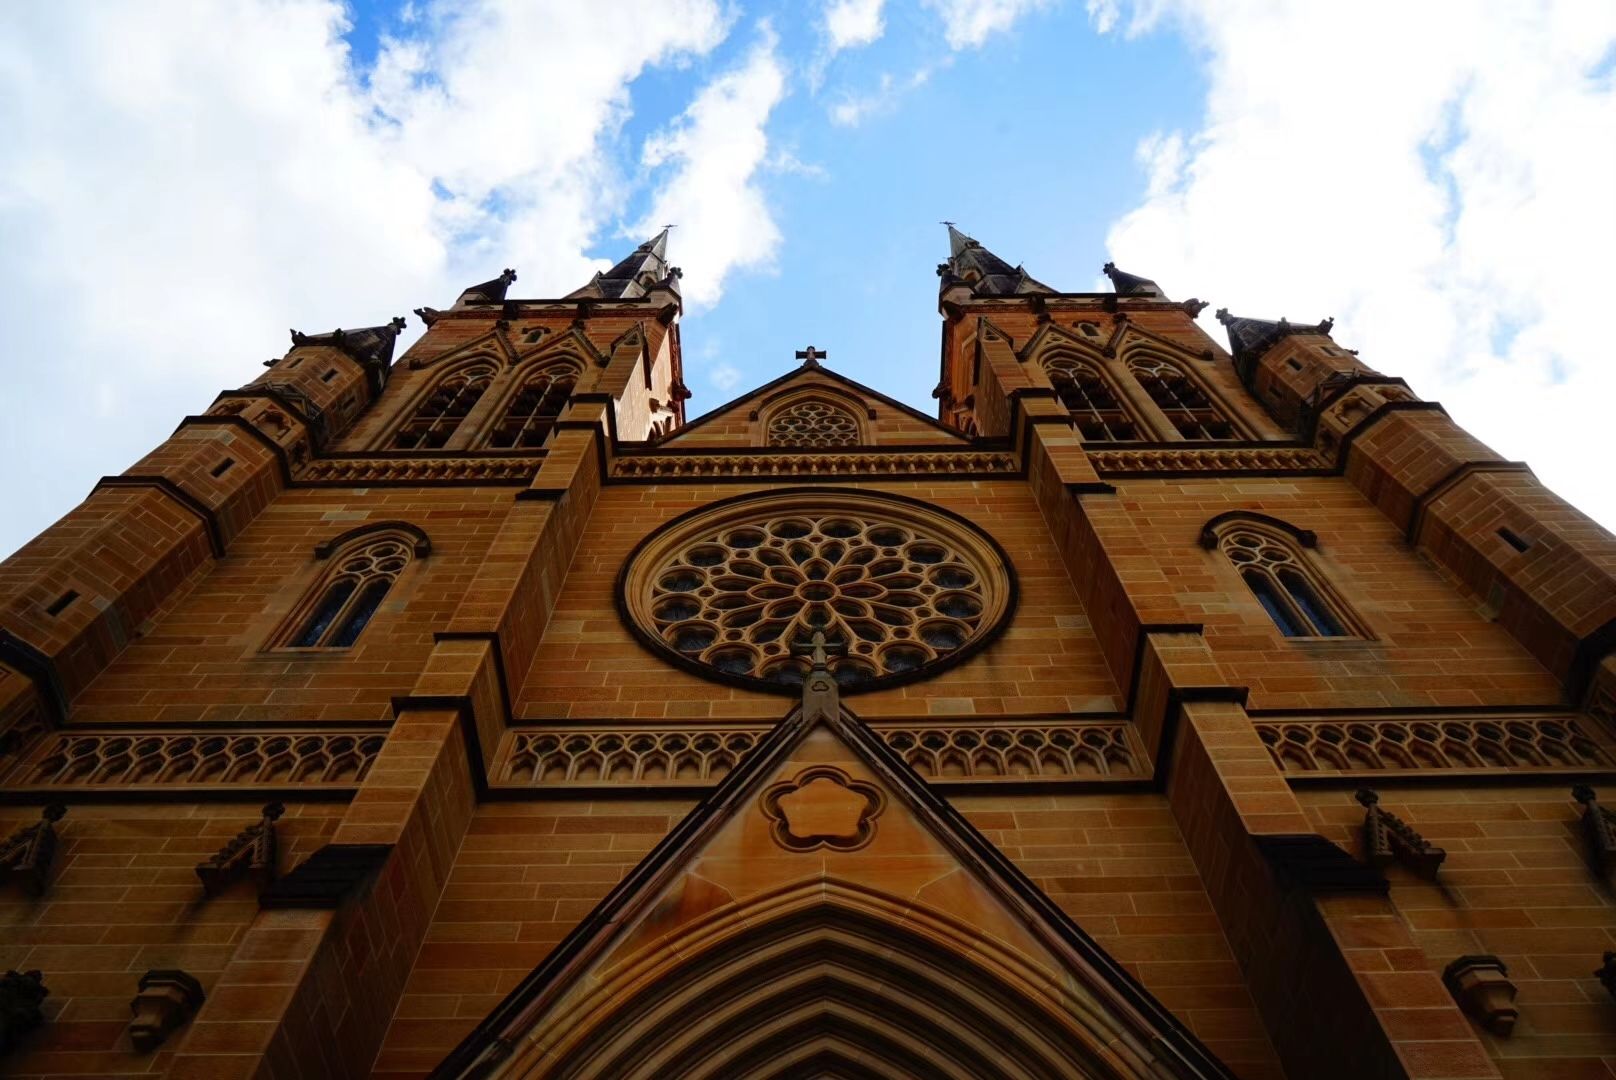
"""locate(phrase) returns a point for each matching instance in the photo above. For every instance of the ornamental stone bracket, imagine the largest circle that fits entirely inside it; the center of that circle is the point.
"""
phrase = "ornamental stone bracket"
(1483, 989)
(167, 999)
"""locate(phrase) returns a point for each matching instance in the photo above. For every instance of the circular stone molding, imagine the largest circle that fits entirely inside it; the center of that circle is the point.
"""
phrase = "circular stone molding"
(736, 590)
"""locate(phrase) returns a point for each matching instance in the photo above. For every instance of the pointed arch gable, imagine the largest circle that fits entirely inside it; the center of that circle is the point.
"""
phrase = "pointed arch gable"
(420, 543)
(490, 343)
(693, 934)
(741, 410)
(819, 959)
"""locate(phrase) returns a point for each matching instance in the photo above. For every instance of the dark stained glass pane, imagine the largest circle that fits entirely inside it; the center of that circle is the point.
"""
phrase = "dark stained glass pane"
(359, 615)
(320, 621)
(1268, 595)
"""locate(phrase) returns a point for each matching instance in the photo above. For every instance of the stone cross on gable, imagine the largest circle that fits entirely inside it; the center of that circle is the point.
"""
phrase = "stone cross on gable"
(819, 650)
(819, 692)
(810, 356)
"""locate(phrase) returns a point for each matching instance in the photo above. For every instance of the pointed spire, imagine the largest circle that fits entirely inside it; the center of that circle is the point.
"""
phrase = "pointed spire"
(1250, 338)
(984, 273)
(489, 292)
(1127, 284)
(644, 269)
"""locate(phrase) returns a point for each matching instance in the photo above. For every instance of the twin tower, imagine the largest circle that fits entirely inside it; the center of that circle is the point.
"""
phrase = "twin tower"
(1154, 709)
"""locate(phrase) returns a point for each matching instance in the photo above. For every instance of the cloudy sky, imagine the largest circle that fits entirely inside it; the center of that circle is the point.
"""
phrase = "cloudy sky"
(180, 183)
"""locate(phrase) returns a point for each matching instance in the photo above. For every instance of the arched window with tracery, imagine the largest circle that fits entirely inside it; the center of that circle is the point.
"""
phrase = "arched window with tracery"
(813, 423)
(1095, 406)
(442, 411)
(534, 406)
(347, 596)
(1271, 559)
(1187, 406)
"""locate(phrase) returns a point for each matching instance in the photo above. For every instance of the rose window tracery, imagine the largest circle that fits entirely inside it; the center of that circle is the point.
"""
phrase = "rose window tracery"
(737, 592)
(813, 423)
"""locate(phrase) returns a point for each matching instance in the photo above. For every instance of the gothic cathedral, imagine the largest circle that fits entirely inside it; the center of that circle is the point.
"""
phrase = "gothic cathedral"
(1154, 710)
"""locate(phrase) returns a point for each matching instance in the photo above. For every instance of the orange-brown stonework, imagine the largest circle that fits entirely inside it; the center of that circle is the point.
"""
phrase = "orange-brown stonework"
(1018, 742)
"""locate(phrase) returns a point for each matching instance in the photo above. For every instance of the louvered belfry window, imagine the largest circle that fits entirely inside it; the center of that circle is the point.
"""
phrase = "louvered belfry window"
(1095, 406)
(443, 409)
(534, 407)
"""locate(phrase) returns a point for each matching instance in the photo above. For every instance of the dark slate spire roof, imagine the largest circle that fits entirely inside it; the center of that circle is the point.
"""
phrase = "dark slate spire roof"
(1250, 338)
(971, 264)
(645, 269)
(489, 292)
(371, 347)
(1127, 284)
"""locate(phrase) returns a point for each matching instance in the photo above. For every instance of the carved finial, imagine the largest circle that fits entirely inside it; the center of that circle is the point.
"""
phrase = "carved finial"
(427, 315)
(1607, 973)
(1598, 828)
(1193, 307)
(508, 275)
(25, 855)
(397, 322)
(1222, 315)
(1388, 837)
(250, 853)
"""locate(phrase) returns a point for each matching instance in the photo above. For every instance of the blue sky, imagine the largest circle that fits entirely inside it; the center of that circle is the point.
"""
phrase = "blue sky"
(183, 180)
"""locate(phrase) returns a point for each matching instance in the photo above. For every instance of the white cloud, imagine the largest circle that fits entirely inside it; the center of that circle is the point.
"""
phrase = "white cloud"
(715, 151)
(969, 23)
(853, 23)
(179, 186)
(724, 376)
(1450, 205)
(851, 110)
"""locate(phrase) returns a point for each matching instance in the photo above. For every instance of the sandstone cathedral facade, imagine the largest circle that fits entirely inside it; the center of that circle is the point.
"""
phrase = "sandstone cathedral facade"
(1155, 709)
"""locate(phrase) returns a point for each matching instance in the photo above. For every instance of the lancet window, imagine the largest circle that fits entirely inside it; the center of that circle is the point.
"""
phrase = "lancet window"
(1180, 397)
(1093, 402)
(812, 422)
(347, 596)
(443, 410)
(534, 407)
(1284, 581)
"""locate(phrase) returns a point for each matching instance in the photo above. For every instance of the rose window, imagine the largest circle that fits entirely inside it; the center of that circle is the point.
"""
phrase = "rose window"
(738, 591)
(813, 424)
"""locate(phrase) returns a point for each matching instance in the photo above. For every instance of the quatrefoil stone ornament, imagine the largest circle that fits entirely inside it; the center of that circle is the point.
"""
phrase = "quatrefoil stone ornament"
(823, 807)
